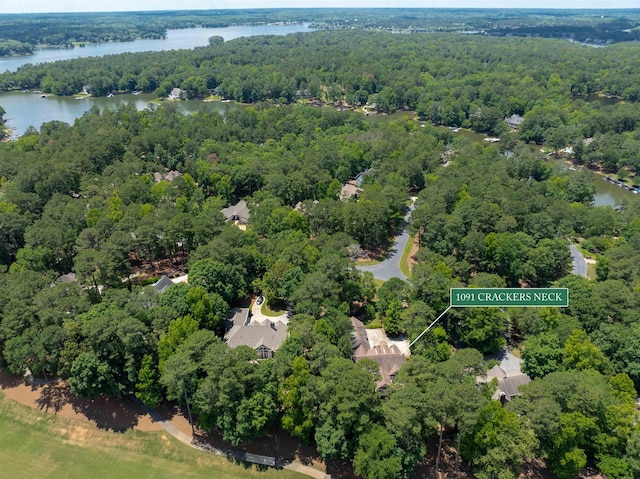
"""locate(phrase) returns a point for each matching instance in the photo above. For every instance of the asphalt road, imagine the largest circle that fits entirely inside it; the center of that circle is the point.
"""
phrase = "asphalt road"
(390, 267)
(579, 263)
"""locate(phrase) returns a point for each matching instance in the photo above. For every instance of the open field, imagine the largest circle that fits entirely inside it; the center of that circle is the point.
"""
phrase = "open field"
(36, 444)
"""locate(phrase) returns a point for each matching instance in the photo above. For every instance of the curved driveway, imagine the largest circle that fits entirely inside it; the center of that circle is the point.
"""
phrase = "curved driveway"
(390, 267)
(579, 263)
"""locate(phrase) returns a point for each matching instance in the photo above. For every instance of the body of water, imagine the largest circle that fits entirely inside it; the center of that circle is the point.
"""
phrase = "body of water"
(176, 40)
(608, 194)
(26, 109)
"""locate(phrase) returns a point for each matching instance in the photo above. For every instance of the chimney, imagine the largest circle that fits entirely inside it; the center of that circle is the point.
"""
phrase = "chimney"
(273, 326)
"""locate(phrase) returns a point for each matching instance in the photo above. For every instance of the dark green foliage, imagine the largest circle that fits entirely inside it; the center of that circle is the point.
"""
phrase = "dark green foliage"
(84, 198)
(378, 456)
(542, 355)
(348, 406)
(91, 377)
(498, 444)
(149, 390)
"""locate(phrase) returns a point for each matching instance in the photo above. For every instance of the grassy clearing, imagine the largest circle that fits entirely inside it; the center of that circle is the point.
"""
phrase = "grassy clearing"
(277, 309)
(591, 271)
(375, 324)
(36, 444)
(367, 262)
(404, 260)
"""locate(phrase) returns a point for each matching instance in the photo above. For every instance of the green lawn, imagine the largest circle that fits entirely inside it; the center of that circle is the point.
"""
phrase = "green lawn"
(35, 444)
(274, 310)
(404, 259)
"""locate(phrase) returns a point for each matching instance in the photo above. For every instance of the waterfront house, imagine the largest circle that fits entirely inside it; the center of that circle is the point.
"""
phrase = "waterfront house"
(514, 121)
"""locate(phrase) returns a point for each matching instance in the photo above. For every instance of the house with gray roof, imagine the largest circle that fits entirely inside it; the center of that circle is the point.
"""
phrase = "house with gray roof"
(162, 284)
(509, 377)
(238, 212)
(514, 121)
(265, 337)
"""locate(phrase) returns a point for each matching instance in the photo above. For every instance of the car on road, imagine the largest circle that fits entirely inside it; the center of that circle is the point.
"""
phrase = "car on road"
(260, 300)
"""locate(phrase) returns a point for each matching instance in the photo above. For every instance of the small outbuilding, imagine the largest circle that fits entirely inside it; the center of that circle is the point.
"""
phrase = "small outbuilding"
(514, 121)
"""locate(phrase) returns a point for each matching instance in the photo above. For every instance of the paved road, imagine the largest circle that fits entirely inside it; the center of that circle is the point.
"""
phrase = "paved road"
(390, 267)
(258, 317)
(238, 455)
(579, 263)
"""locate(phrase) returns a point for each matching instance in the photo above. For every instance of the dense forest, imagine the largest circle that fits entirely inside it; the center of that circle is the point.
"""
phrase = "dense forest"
(451, 80)
(85, 199)
(20, 34)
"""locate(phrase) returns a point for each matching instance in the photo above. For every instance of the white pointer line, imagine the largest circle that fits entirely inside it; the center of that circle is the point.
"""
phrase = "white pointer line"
(428, 328)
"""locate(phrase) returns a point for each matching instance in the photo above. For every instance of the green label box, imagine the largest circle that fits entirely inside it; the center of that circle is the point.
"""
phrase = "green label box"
(509, 297)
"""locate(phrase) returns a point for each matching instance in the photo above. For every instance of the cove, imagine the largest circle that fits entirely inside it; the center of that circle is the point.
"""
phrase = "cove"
(176, 40)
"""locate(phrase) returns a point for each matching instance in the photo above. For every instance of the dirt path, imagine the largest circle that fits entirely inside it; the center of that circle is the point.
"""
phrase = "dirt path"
(119, 415)
(411, 260)
(105, 413)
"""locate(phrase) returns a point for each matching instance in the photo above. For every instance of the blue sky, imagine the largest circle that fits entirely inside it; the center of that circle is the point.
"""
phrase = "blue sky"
(34, 6)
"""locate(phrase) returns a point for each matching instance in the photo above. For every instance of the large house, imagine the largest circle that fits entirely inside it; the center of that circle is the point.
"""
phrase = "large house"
(509, 377)
(348, 191)
(238, 212)
(265, 337)
(386, 354)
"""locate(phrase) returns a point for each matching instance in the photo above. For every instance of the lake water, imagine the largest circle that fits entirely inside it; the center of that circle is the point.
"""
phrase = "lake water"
(176, 40)
(26, 109)
(608, 194)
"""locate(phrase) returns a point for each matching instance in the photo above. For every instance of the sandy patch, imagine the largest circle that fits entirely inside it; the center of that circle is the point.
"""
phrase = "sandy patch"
(115, 414)
(411, 260)
(176, 416)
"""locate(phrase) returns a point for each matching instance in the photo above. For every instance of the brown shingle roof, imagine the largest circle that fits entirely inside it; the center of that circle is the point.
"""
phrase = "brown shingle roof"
(388, 357)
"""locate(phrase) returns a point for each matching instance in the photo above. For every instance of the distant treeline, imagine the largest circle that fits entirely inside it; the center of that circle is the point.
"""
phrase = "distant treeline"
(13, 47)
(601, 33)
(67, 29)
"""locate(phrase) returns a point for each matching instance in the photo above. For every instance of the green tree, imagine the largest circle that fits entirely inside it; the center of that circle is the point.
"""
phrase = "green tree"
(498, 444)
(148, 389)
(298, 416)
(378, 456)
(580, 353)
(348, 405)
(483, 329)
(541, 355)
(91, 377)
(179, 331)
(217, 277)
